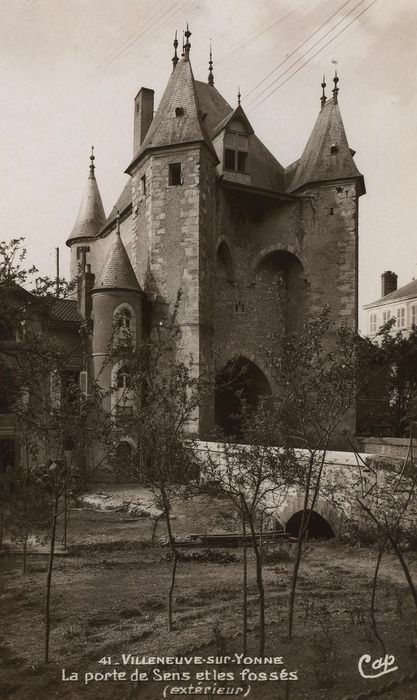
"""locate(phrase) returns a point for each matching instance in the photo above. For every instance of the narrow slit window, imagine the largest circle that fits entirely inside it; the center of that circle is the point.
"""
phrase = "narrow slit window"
(174, 177)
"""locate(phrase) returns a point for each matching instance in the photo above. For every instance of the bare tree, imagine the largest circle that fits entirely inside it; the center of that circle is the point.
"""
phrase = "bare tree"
(254, 476)
(164, 392)
(316, 374)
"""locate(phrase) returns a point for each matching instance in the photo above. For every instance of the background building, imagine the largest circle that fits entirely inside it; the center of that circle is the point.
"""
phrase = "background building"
(399, 304)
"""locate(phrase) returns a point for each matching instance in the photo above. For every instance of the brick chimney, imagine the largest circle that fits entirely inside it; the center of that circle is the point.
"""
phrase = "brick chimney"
(143, 116)
(85, 283)
(388, 282)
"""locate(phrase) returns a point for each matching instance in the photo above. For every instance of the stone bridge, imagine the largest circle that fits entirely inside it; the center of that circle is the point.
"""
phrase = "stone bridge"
(345, 475)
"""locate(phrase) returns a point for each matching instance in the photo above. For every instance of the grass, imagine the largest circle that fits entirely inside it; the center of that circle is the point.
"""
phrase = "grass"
(109, 598)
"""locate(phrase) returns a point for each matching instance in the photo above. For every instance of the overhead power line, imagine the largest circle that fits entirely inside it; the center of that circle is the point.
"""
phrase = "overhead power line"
(316, 43)
(108, 52)
(262, 30)
(315, 54)
(160, 20)
(302, 44)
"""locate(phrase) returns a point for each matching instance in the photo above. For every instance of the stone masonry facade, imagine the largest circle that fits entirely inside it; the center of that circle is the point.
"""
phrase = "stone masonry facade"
(253, 247)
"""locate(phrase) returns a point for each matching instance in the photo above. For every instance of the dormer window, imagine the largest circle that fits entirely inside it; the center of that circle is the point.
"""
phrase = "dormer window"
(179, 111)
(235, 152)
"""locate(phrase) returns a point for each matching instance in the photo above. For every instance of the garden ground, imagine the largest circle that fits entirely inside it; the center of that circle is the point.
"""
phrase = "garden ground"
(109, 599)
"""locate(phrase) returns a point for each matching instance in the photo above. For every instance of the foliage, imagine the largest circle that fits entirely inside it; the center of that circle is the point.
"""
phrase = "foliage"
(387, 403)
(158, 409)
(56, 423)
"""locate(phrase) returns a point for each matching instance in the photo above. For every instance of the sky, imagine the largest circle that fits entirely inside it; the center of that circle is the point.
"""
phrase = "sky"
(70, 69)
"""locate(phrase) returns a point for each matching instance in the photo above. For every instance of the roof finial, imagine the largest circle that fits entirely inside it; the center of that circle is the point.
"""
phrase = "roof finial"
(183, 45)
(238, 96)
(335, 89)
(187, 45)
(175, 58)
(210, 75)
(117, 221)
(92, 166)
(323, 97)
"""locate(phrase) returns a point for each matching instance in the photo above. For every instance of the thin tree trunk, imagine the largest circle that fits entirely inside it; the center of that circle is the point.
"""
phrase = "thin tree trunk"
(259, 583)
(25, 547)
(373, 595)
(291, 604)
(171, 591)
(154, 528)
(294, 580)
(66, 516)
(302, 531)
(405, 568)
(49, 580)
(245, 585)
(171, 538)
(396, 549)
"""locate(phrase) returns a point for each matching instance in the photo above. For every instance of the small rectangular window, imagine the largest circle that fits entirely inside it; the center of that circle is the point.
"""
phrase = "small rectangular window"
(372, 323)
(143, 185)
(400, 317)
(386, 315)
(241, 161)
(229, 159)
(235, 152)
(175, 174)
(414, 315)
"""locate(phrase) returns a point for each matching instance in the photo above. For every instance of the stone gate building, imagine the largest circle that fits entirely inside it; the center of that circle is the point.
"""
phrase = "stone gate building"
(253, 246)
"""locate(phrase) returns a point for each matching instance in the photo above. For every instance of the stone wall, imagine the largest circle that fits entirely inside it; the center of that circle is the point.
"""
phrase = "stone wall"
(385, 446)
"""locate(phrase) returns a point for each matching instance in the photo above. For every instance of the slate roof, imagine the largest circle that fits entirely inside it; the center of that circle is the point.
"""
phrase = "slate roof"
(123, 203)
(213, 106)
(408, 291)
(66, 310)
(91, 216)
(318, 164)
(117, 272)
(166, 128)
(266, 172)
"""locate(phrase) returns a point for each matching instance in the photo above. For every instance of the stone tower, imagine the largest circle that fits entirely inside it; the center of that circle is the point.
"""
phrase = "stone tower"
(89, 221)
(173, 205)
(327, 174)
(116, 314)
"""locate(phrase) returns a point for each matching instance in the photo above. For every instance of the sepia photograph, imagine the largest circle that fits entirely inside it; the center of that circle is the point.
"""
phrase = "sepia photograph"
(208, 349)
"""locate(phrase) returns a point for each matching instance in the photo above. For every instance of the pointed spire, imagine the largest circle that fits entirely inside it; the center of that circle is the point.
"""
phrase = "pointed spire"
(175, 57)
(183, 45)
(323, 97)
(328, 137)
(239, 96)
(187, 45)
(210, 75)
(335, 89)
(91, 216)
(92, 166)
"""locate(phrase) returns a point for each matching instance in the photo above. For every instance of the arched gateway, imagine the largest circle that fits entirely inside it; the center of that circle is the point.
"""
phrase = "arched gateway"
(240, 385)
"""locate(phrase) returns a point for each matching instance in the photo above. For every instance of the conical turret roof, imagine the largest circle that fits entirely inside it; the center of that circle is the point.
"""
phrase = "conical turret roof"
(91, 216)
(178, 119)
(117, 272)
(327, 155)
